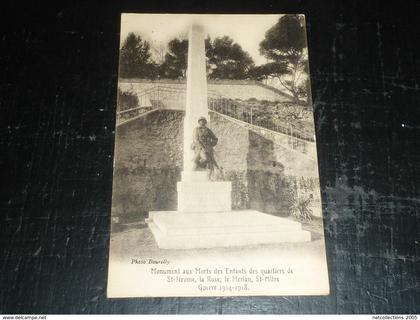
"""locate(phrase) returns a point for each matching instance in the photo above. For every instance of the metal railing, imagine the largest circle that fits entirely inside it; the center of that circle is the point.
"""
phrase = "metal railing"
(250, 118)
(253, 116)
(167, 97)
(155, 98)
(149, 100)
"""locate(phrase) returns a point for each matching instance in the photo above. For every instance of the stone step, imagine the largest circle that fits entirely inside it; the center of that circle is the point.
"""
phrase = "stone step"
(221, 222)
(176, 230)
(204, 196)
(227, 239)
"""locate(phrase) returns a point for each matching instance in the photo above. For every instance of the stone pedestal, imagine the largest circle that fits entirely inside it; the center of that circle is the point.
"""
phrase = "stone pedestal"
(204, 196)
(180, 230)
(197, 194)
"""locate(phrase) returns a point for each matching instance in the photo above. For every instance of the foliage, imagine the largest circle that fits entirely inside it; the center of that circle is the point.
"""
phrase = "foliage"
(135, 58)
(127, 100)
(300, 207)
(271, 69)
(175, 64)
(227, 59)
(285, 46)
(285, 40)
(269, 114)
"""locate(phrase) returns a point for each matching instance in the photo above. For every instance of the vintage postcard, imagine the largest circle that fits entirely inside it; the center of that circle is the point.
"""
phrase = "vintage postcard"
(216, 186)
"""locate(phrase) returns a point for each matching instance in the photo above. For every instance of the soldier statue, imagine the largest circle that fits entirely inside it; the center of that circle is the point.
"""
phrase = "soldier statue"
(203, 142)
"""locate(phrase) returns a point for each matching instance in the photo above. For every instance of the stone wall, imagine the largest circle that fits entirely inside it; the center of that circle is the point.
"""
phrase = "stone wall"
(152, 141)
(232, 148)
(147, 162)
(232, 89)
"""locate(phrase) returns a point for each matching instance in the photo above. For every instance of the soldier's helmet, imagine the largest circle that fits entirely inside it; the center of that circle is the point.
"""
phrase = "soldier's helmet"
(202, 119)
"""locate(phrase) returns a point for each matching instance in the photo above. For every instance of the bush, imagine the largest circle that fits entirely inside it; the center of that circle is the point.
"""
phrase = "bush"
(127, 100)
(300, 207)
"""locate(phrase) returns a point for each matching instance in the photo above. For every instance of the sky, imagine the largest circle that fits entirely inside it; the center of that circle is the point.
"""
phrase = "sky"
(246, 30)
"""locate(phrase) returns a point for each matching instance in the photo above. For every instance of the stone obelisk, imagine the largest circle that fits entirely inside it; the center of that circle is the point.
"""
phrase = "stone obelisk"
(196, 106)
(195, 192)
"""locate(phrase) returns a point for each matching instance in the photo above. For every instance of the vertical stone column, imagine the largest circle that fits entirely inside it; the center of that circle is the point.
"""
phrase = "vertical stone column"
(196, 194)
(196, 92)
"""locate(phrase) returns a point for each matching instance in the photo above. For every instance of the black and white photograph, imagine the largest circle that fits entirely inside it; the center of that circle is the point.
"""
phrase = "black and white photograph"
(210, 159)
(216, 185)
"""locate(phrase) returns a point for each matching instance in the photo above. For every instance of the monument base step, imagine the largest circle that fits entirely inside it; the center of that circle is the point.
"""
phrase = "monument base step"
(181, 230)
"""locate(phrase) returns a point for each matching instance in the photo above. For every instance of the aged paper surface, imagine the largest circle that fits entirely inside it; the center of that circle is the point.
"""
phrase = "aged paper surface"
(216, 186)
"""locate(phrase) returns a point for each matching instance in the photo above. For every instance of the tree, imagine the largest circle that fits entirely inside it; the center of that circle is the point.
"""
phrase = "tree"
(175, 64)
(135, 58)
(227, 59)
(159, 51)
(285, 46)
(265, 71)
